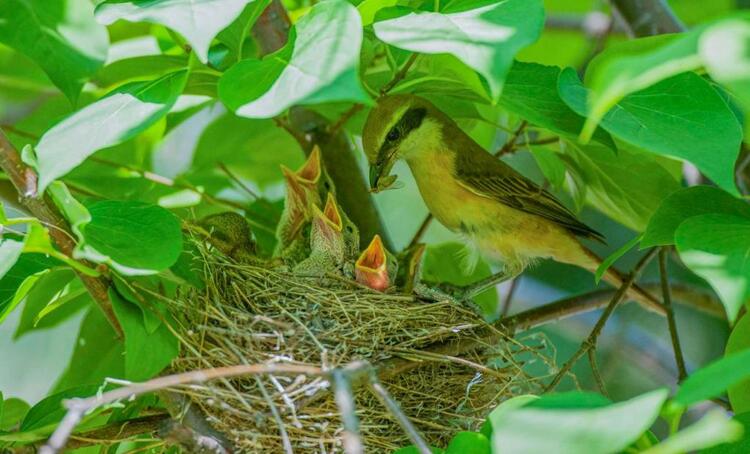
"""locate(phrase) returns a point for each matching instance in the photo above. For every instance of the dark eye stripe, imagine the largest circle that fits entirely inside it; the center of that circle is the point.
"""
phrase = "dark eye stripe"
(409, 121)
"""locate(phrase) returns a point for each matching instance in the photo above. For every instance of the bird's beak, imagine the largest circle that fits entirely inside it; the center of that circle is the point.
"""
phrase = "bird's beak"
(380, 170)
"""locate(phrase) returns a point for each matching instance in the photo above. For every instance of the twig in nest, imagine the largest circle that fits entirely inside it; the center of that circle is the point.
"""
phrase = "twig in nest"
(590, 342)
(401, 418)
(667, 299)
(344, 396)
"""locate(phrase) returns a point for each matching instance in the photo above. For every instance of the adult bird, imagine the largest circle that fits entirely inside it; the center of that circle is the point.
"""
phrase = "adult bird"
(509, 218)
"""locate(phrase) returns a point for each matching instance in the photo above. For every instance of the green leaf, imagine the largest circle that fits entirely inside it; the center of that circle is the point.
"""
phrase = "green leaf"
(52, 289)
(63, 39)
(10, 251)
(468, 443)
(569, 400)
(98, 354)
(486, 38)
(713, 428)
(716, 247)
(146, 354)
(198, 22)
(725, 49)
(235, 35)
(681, 117)
(739, 341)
(531, 92)
(630, 66)
(111, 120)
(452, 263)
(684, 204)
(713, 380)
(133, 237)
(139, 68)
(12, 413)
(319, 64)
(368, 8)
(741, 446)
(50, 410)
(609, 261)
(609, 184)
(603, 429)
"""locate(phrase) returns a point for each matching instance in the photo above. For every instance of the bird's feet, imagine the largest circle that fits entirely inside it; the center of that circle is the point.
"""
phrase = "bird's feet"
(457, 294)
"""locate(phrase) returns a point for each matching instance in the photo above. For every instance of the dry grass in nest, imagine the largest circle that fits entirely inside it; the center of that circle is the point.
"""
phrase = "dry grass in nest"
(250, 314)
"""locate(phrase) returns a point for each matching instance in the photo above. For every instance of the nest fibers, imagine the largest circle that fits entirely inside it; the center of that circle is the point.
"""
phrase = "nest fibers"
(251, 315)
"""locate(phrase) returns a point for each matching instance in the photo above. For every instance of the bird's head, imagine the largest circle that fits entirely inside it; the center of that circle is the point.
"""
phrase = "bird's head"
(398, 127)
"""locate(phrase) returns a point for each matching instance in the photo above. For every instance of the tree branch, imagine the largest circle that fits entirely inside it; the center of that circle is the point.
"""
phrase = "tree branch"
(24, 179)
(647, 17)
(667, 300)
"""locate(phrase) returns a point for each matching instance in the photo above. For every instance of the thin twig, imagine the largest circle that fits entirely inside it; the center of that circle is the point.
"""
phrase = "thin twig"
(300, 137)
(19, 132)
(346, 116)
(505, 308)
(421, 230)
(667, 299)
(238, 181)
(511, 142)
(595, 372)
(544, 141)
(344, 397)
(590, 341)
(385, 398)
(399, 76)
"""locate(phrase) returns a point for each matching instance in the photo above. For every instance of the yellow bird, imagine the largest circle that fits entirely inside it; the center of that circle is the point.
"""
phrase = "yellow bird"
(509, 218)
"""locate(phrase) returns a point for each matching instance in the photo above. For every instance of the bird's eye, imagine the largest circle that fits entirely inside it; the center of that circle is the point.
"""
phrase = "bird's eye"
(393, 135)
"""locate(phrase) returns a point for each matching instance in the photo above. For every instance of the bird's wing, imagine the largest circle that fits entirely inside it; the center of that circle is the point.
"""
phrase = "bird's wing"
(489, 177)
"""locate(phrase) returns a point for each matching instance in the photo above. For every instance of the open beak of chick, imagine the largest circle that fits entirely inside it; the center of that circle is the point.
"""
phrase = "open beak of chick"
(328, 226)
(310, 172)
(371, 268)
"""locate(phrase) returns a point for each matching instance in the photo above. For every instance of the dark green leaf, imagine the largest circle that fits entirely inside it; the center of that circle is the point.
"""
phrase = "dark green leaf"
(739, 341)
(716, 248)
(325, 42)
(531, 92)
(197, 22)
(570, 400)
(112, 120)
(235, 35)
(486, 37)
(27, 265)
(684, 204)
(61, 37)
(613, 257)
(681, 117)
(134, 237)
(12, 412)
(714, 379)
(145, 354)
(51, 288)
(10, 251)
(98, 354)
(50, 410)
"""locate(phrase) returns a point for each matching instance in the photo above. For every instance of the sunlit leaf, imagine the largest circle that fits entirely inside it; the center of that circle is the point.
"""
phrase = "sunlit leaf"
(484, 35)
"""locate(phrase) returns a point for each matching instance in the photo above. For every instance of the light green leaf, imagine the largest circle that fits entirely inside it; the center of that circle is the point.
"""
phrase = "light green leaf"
(634, 65)
(712, 380)
(685, 203)
(725, 49)
(739, 341)
(468, 443)
(681, 117)
(146, 354)
(603, 429)
(368, 8)
(609, 184)
(50, 410)
(319, 64)
(716, 248)
(713, 428)
(112, 120)
(486, 37)
(13, 411)
(531, 92)
(132, 237)
(63, 39)
(609, 261)
(198, 21)
(10, 251)
(741, 446)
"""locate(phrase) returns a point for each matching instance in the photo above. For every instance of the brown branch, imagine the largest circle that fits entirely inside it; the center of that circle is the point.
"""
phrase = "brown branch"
(400, 75)
(421, 230)
(595, 372)
(590, 342)
(647, 17)
(117, 432)
(511, 142)
(667, 300)
(24, 179)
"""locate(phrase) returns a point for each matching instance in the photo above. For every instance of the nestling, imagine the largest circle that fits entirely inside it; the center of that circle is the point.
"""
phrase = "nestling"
(509, 218)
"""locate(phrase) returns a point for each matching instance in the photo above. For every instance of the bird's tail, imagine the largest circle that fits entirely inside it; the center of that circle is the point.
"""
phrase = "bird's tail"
(615, 278)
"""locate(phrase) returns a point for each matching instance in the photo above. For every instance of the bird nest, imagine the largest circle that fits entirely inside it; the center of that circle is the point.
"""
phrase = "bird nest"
(250, 314)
